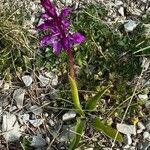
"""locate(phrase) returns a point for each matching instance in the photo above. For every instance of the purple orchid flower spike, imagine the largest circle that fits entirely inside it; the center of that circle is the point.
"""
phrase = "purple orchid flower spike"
(58, 25)
(59, 37)
(49, 8)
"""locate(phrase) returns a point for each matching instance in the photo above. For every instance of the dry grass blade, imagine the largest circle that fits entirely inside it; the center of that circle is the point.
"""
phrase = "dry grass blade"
(129, 104)
(14, 37)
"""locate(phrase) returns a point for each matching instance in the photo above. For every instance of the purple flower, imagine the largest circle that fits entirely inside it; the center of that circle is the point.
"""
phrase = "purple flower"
(58, 25)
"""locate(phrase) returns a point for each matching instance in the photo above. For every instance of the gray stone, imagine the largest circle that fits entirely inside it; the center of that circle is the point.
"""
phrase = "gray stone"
(121, 11)
(36, 109)
(118, 2)
(148, 126)
(44, 81)
(130, 25)
(54, 82)
(18, 96)
(25, 118)
(38, 141)
(11, 128)
(36, 122)
(27, 80)
(126, 129)
(143, 96)
(128, 141)
(141, 127)
(144, 1)
(67, 133)
(147, 105)
(146, 145)
(146, 135)
(51, 122)
(69, 115)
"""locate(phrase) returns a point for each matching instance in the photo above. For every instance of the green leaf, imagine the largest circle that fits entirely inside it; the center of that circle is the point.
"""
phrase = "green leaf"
(75, 95)
(80, 126)
(92, 102)
(107, 130)
(142, 49)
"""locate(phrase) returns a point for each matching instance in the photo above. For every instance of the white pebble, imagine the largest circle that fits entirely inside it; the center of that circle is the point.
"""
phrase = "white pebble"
(126, 129)
(143, 96)
(146, 135)
(121, 11)
(27, 80)
(141, 125)
(69, 115)
(130, 25)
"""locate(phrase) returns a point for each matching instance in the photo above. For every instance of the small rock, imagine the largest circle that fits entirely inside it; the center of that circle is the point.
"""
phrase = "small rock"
(51, 122)
(35, 109)
(66, 133)
(44, 81)
(121, 11)
(49, 75)
(143, 96)
(148, 126)
(145, 63)
(53, 78)
(48, 140)
(27, 80)
(25, 118)
(33, 18)
(145, 145)
(126, 129)
(11, 128)
(69, 115)
(130, 25)
(141, 127)
(68, 1)
(139, 146)
(146, 135)
(6, 86)
(1, 83)
(118, 3)
(46, 115)
(147, 83)
(147, 105)
(135, 141)
(36, 122)
(18, 96)
(128, 141)
(147, 29)
(144, 1)
(1, 112)
(38, 141)
(137, 12)
(12, 108)
(33, 6)
(54, 81)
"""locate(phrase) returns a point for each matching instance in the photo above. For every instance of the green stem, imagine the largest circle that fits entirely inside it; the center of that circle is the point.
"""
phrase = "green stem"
(73, 85)
(71, 64)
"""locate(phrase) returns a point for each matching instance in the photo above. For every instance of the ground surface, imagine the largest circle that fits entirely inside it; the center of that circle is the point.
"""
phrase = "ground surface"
(36, 108)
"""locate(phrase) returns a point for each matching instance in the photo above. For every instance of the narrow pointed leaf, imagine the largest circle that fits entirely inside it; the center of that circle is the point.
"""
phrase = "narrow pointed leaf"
(92, 102)
(80, 126)
(75, 96)
(107, 130)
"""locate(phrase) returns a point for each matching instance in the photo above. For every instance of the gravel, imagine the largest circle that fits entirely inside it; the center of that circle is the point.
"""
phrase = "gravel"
(31, 119)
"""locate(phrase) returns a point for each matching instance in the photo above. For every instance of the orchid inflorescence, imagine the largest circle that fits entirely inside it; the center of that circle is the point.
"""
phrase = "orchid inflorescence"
(58, 24)
(59, 37)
